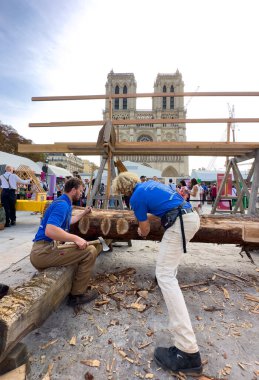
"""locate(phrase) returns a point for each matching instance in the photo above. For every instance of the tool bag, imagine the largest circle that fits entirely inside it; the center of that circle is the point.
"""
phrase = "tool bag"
(169, 219)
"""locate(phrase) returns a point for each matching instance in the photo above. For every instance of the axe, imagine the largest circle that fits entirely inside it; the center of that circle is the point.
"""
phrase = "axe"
(100, 240)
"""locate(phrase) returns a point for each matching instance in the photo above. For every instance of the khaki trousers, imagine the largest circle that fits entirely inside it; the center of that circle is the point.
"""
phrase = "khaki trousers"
(45, 255)
(169, 257)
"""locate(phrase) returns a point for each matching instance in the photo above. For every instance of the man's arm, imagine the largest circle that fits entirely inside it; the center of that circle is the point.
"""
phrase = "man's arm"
(58, 234)
(76, 218)
(144, 228)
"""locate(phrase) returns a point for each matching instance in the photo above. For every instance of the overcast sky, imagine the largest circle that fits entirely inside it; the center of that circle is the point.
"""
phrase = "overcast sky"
(68, 47)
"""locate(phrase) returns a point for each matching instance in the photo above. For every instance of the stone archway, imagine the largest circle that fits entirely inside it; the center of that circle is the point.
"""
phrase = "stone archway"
(170, 171)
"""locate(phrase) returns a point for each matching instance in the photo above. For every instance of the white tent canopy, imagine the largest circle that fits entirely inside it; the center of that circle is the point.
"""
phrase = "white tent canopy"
(16, 161)
(57, 171)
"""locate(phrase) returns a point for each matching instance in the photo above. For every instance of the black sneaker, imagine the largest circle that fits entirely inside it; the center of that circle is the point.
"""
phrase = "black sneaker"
(3, 290)
(82, 298)
(13, 223)
(176, 361)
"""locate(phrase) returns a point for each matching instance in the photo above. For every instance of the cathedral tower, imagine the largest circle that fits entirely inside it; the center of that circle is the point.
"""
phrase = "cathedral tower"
(162, 108)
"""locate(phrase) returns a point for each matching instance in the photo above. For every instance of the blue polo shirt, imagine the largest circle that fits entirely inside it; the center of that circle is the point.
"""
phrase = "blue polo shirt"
(58, 214)
(155, 198)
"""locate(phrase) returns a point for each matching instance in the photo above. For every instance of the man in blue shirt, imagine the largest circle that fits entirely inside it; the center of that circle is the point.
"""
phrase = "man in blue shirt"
(55, 227)
(158, 199)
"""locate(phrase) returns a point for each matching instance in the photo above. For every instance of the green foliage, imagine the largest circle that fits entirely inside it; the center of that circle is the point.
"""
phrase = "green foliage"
(9, 140)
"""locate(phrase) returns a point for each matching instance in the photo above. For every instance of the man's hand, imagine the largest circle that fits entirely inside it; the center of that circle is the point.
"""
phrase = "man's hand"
(143, 229)
(140, 233)
(81, 243)
(87, 210)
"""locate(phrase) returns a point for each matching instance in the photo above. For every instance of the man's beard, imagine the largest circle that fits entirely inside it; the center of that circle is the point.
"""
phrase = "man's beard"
(75, 198)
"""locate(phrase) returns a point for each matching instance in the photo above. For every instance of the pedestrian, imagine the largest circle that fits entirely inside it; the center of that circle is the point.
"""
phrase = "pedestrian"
(195, 198)
(156, 198)
(9, 182)
(213, 193)
(55, 227)
(171, 184)
(143, 178)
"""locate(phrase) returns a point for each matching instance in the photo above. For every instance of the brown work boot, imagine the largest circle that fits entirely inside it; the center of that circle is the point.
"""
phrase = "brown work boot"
(80, 299)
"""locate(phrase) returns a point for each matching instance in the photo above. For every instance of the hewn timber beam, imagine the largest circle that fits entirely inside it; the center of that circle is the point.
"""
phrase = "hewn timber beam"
(143, 95)
(157, 148)
(144, 122)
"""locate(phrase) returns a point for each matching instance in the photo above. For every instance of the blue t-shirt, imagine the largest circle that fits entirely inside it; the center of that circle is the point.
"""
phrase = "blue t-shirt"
(58, 214)
(155, 198)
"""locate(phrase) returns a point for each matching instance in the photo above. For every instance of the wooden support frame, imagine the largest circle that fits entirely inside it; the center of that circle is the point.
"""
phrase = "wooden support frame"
(107, 146)
(252, 210)
(243, 190)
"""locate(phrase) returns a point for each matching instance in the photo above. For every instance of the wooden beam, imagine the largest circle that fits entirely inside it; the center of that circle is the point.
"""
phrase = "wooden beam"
(143, 95)
(144, 122)
(179, 148)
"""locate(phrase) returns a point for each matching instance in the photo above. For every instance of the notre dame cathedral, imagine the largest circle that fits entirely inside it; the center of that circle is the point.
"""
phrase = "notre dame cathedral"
(162, 108)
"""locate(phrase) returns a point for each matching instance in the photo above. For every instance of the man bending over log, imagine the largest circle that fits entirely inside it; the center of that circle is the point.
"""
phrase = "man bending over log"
(55, 227)
(180, 223)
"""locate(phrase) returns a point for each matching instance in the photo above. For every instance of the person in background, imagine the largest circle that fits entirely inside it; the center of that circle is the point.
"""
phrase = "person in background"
(205, 192)
(155, 178)
(9, 182)
(156, 198)
(234, 191)
(195, 199)
(184, 190)
(171, 184)
(213, 193)
(55, 227)
(143, 178)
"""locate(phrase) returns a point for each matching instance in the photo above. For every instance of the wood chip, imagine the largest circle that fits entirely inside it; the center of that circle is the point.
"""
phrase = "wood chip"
(122, 353)
(241, 366)
(149, 376)
(72, 341)
(129, 360)
(143, 294)
(251, 297)
(143, 345)
(91, 362)
(48, 374)
(226, 293)
(48, 344)
(138, 306)
(193, 284)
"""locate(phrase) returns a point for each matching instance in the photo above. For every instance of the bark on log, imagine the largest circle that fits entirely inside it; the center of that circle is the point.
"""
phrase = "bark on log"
(27, 306)
(122, 225)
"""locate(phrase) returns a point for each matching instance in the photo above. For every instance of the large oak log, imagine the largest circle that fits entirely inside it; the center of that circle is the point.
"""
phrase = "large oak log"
(122, 225)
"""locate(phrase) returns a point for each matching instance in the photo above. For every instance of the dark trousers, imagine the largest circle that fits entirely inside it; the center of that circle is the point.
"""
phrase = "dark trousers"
(8, 199)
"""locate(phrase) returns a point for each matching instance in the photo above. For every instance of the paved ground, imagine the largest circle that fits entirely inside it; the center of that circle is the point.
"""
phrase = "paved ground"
(122, 338)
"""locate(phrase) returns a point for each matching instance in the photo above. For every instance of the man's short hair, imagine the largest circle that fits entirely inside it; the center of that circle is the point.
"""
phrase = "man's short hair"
(72, 183)
(142, 176)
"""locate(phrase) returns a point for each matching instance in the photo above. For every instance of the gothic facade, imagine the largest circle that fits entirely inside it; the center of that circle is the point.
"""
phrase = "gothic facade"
(162, 108)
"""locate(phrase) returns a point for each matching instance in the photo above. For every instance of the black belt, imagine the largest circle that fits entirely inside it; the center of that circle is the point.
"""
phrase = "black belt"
(6, 189)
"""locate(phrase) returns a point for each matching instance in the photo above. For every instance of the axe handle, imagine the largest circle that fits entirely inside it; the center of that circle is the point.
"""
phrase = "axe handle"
(73, 245)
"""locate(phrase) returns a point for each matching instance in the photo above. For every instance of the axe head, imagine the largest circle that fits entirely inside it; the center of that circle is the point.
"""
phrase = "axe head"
(105, 246)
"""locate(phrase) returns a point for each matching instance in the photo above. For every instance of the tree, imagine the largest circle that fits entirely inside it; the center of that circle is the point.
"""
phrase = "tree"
(9, 140)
